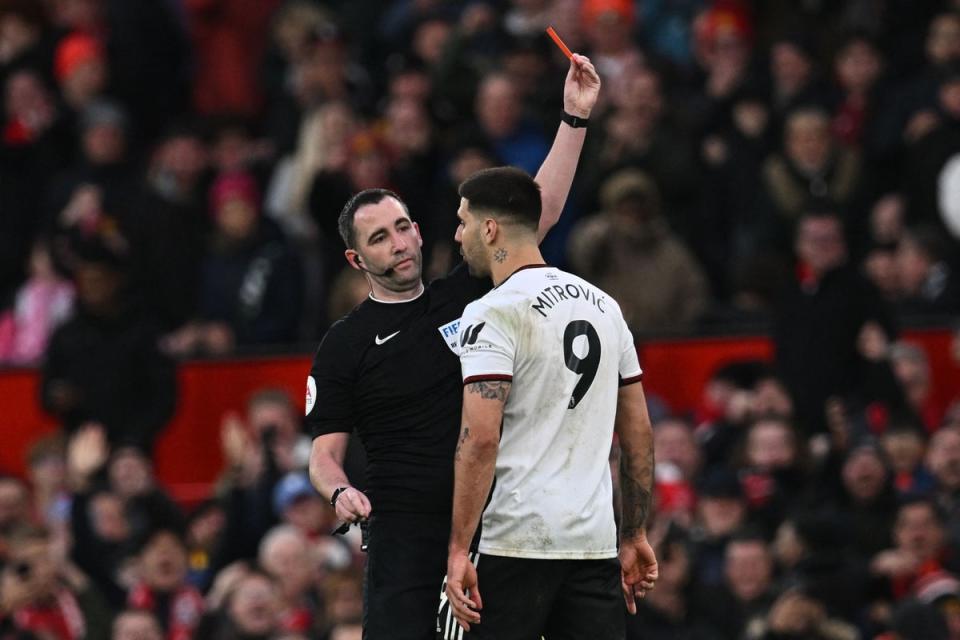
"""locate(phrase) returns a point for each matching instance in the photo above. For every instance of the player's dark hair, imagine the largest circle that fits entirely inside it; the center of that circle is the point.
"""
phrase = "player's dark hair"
(504, 191)
(362, 199)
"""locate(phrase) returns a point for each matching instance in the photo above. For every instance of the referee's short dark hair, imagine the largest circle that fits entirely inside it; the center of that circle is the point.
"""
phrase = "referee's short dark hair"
(362, 199)
(505, 191)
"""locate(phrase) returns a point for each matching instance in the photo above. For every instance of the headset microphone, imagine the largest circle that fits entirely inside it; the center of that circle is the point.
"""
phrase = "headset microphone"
(356, 261)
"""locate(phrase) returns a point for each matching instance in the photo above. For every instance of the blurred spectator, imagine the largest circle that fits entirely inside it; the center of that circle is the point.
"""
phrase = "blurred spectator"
(812, 166)
(46, 596)
(136, 624)
(733, 155)
(162, 588)
(904, 446)
(814, 555)
(773, 472)
(721, 512)
(866, 496)
(911, 368)
(516, 140)
(793, 74)
(943, 460)
(170, 226)
(204, 529)
(675, 444)
(722, 46)
(250, 287)
(81, 69)
(349, 289)
(42, 304)
(857, 71)
(669, 613)
(880, 267)
(251, 610)
(628, 250)
(748, 590)
(285, 555)
(322, 147)
(257, 453)
(24, 38)
(47, 474)
(887, 218)
(35, 142)
(609, 26)
(297, 503)
(14, 504)
(919, 550)
(931, 149)
(115, 505)
(929, 286)
(229, 39)
(795, 614)
(820, 318)
(103, 364)
(640, 131)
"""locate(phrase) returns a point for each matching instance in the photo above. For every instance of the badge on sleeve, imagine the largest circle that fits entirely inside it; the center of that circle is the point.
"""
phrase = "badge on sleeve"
(311, 394)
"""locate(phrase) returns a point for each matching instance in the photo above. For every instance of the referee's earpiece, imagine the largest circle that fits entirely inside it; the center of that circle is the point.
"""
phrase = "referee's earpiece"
(356, 260)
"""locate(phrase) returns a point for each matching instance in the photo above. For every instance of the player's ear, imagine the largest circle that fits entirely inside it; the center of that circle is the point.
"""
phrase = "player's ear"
(490, 230)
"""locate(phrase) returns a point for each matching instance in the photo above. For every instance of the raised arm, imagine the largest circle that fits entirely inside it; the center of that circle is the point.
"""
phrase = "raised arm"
(474, 465)
(580, 91)
(638, 564)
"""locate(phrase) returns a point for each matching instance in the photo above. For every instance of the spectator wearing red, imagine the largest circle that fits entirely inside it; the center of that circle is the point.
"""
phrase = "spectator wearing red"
(162, 587)
(80, 67)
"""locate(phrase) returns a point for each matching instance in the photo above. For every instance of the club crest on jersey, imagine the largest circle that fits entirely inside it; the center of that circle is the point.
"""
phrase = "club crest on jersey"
(451, 335)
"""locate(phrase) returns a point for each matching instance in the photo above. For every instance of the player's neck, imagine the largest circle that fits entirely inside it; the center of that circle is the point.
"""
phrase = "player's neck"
(382, 294)
(512, 258)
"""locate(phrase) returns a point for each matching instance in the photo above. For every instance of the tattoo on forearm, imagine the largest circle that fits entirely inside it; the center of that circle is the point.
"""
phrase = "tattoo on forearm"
(496, 390)
(636, 484)
(464, 434)
(500, 255)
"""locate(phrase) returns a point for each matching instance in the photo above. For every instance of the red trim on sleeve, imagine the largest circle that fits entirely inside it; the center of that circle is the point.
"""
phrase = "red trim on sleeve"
(492, 377)
(625, 381)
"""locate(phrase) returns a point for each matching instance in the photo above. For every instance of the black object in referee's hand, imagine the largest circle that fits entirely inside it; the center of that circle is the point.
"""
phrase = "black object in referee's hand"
(364, 533)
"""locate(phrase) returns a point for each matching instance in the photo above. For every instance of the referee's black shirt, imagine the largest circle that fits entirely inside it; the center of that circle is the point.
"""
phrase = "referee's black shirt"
(387, 370)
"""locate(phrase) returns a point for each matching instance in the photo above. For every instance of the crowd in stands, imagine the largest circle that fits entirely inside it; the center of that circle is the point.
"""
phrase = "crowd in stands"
(171, 172)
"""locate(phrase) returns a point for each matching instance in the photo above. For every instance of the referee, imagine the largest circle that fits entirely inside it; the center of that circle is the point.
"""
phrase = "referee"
(390, 371)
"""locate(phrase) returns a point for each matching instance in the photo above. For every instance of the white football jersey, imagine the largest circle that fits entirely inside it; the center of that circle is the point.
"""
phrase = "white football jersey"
(566, 349)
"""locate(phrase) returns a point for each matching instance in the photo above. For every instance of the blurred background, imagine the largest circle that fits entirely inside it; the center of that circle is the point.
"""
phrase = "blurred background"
(769, 188)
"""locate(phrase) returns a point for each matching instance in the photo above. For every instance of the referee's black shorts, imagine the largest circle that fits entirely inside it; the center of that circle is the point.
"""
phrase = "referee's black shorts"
(553, 599)
(406, 562)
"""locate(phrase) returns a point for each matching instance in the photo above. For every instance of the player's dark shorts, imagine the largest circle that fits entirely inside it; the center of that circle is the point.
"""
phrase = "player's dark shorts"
(553, 599)
(406, 562)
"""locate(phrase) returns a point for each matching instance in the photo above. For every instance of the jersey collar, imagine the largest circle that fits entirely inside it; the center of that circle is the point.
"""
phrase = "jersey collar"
(541, 265)
(379, 301)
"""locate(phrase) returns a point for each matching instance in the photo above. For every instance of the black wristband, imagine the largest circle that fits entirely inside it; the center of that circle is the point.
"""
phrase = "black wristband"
(336, 494)
(574, 121)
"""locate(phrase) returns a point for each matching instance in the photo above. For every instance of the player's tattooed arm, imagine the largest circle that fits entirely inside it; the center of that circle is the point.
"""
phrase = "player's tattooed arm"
(636, 482)
(490, 390)
(636, 461)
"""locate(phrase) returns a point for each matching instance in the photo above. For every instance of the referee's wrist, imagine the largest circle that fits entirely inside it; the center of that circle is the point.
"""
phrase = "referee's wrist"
(576, 119)
(336, 494)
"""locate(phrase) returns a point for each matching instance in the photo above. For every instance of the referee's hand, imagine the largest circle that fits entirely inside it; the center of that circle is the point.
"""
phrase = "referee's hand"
(352, 505)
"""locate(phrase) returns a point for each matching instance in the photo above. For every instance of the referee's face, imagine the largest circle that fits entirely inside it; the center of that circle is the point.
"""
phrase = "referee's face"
(388, 244)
